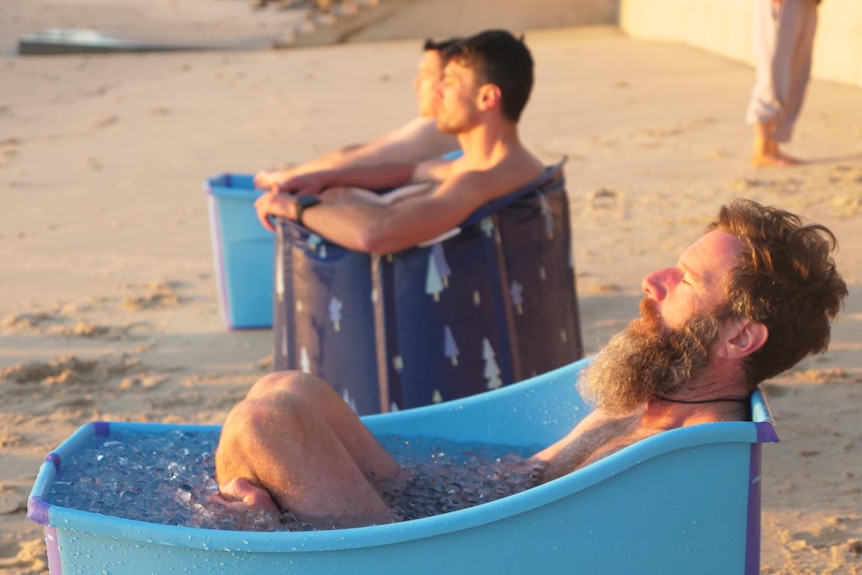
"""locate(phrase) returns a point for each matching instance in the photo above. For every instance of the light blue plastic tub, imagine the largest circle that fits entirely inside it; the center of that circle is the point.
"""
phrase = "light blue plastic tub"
(686, 501)
(242, 250)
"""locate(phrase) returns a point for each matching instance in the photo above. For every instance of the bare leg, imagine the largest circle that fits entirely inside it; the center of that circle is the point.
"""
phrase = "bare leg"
(295, 438)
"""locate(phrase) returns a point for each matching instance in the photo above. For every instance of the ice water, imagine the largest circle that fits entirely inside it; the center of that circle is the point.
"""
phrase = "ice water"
(169, 479)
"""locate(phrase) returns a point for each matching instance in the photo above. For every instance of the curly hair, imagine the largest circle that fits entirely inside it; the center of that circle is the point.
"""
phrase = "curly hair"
(786, 280)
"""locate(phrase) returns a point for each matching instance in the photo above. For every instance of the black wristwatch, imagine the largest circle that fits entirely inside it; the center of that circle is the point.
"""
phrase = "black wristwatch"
(302, 204)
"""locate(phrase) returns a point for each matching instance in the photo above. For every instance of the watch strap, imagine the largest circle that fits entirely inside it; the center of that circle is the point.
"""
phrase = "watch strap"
(302, 204)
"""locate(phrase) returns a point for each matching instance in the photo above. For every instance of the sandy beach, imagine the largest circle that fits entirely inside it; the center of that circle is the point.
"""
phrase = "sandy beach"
(108, 301)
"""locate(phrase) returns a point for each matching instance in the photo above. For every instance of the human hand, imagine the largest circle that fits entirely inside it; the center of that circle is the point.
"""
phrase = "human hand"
(265, 180)
(302, 185)
(274, 203)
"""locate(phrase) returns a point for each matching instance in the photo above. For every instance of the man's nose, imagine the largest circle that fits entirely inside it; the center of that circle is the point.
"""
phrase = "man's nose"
(656, 284)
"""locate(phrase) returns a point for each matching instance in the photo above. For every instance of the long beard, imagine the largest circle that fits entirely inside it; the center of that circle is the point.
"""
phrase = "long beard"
(643, 362)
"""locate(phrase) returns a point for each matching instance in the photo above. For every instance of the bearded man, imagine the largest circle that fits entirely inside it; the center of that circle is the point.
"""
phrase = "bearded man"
(748, 300)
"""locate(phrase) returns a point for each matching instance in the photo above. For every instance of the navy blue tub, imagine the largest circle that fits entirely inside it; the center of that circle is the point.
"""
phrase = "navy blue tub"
(491, 303)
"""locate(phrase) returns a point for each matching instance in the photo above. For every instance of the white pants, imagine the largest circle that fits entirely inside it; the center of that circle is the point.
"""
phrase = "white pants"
(783, 42)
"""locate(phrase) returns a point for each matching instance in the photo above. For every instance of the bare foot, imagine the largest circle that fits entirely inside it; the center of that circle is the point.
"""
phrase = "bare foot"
(774, 160)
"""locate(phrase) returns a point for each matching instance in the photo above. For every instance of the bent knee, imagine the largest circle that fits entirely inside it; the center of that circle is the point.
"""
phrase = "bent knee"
(296, 382)
(252, 424)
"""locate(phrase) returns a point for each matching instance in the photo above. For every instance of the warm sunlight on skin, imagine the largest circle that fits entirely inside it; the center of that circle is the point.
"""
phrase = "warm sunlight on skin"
(430, 70)
(457, 92)
(691, 286)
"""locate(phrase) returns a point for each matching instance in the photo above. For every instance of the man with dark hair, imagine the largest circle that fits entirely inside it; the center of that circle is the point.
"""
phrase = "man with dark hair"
(750, 298)
(417, 140)
(497, 60)
(494, 162)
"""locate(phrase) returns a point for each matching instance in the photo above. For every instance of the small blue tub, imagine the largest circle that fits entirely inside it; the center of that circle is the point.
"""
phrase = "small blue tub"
(242, 250)
(685, 501)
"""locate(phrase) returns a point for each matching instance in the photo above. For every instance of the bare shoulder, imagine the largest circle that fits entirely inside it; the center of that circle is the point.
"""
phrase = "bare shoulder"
(417, 140)
(509, 175)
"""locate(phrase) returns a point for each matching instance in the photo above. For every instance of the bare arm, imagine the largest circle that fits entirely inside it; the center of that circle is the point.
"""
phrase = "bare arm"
(415, 141)
(595, 437)
(367, 177)
(385, 229)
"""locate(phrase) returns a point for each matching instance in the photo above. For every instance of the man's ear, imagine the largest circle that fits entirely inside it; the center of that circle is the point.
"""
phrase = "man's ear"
(490, 96)
(743, 337)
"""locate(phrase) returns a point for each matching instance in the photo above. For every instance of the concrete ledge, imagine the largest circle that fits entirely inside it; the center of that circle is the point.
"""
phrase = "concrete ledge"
(724, 27)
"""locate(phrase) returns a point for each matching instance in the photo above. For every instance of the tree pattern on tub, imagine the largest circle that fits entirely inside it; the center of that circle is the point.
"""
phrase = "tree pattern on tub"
(335, 306)
(487, 226)
(437, 280)
(548, 215)
(450, 348)
(345, 395)
(433, 279)
(438, 253)
(314, 240)
(304, 362)
(492, 370)
(517, 292)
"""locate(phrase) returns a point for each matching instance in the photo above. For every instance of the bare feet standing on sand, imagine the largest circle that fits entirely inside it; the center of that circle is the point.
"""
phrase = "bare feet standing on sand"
(783, 44)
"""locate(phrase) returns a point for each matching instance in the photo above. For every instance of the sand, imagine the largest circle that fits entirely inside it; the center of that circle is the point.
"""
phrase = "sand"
(108, 303)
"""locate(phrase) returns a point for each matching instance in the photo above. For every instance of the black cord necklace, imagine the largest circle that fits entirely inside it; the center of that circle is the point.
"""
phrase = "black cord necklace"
(745, 401)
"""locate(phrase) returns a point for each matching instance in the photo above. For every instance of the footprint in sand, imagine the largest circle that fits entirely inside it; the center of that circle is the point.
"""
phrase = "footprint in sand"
(142, 381)
(69, 370)
(11, 501)
(160, 294)
(84, 328)
(12, 439)
(606, 202)
(833, 537)
(26, 320)
(30, 556)
(58, 324)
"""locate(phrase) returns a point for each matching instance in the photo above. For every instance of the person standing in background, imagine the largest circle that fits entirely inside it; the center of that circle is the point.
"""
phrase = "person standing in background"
(783, 43)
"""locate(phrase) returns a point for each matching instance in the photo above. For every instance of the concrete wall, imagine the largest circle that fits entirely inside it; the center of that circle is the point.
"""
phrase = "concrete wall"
(397, 19)
(724, 27)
